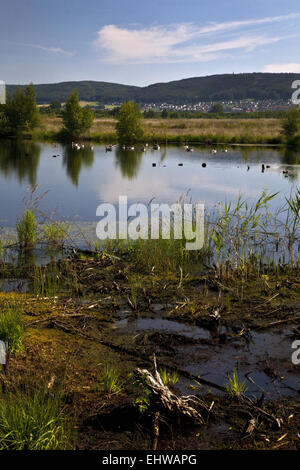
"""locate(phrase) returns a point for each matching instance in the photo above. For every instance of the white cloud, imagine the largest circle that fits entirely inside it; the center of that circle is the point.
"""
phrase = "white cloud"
(52, 50)
(291, 67)
(179, 43)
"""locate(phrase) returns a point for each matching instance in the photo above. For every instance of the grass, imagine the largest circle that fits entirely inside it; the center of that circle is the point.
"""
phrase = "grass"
(231, 130)
(234, 387)
(54, 233)
(26, 228)
(110, 380)
(11, 330)
(33, 423)
(169, 378)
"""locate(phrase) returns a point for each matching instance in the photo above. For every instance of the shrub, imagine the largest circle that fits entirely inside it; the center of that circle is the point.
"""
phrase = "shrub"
(27, 229)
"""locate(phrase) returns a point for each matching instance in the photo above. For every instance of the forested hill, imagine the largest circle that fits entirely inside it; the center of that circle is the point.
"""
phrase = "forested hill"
(258, 86)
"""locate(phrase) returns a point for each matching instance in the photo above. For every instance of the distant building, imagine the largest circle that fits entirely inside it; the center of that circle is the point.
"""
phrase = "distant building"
(2, 92)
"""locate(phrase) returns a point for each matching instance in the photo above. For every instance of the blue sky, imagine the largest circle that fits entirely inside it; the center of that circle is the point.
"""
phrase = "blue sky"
(139, 42)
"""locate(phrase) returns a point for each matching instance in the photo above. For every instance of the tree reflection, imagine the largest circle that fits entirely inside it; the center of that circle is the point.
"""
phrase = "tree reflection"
(75, 159)
(129, 161)
(20, 158)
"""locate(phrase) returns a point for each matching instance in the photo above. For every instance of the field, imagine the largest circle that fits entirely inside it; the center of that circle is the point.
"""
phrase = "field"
(177, 130)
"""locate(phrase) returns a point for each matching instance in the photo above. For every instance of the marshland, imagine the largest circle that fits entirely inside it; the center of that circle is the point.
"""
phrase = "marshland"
(104, 339)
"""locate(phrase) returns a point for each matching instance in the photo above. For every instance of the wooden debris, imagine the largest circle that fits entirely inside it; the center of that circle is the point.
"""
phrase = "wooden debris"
(166, 400)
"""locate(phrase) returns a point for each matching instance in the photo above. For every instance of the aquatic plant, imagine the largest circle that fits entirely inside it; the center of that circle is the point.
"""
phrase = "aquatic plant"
(235, 388)
(54, 233)
(33, 423)
(26, 227)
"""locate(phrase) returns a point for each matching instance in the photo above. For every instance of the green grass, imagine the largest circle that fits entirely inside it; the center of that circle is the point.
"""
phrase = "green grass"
(110, 380)
(33, 423)
(11, 330)
(234, 387)
(54, 234)
(169, 378)
(26, 227)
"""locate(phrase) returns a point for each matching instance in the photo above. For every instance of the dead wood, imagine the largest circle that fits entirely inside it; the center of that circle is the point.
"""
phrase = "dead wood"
(166, 400)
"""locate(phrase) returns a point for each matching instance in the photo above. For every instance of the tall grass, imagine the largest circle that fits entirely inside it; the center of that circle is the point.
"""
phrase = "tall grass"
(11, 330)
(26, 227)
(33, 423)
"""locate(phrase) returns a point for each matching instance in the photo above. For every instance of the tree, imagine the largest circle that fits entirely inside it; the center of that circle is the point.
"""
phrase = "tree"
(55, 106)
(21, 111)
(129, 126)
(217, 108)
(77, 120)
(290, 123)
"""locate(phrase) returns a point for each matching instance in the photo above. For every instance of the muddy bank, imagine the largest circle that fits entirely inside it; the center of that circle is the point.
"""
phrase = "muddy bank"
(199, 327)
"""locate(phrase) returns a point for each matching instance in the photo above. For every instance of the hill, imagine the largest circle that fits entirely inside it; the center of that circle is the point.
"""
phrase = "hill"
(259, 86)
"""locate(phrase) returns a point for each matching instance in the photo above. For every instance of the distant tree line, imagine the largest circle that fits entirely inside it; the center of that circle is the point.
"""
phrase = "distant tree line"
(223, 87)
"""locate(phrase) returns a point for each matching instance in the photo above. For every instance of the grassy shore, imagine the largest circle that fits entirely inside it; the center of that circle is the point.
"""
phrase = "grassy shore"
(78, 340)
(252, 131)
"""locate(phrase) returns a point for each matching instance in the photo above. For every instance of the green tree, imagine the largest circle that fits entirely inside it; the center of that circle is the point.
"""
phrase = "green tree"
(129, 126)
(55, 106)
(21, 111)
(290, 123)
(77, 120)
(3, 120)
(217, 108)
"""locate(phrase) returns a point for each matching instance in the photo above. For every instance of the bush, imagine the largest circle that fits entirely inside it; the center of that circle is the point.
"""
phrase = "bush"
(55, 234)
(290, 123)
(11, 330)
(26, 229)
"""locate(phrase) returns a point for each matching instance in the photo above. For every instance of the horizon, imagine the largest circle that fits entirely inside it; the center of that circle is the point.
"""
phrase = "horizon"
(138, 44)
(150, 84)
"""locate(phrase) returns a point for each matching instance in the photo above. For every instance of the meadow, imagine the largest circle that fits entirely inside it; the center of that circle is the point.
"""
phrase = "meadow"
(233, 130)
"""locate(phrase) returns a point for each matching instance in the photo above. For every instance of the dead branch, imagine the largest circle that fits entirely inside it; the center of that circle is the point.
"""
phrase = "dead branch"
(167, 400)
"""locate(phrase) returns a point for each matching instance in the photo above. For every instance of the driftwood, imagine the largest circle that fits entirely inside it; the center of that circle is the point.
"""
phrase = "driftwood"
(166, 400)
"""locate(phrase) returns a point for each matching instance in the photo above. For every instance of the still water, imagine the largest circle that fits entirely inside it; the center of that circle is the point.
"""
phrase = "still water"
(78, 180)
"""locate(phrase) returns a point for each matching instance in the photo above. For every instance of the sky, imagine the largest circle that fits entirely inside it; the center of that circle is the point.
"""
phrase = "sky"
(138, 42)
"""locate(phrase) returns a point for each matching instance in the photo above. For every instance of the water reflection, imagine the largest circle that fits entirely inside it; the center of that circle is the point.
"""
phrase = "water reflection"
(75, 159)
(129, 162)
(21, 159)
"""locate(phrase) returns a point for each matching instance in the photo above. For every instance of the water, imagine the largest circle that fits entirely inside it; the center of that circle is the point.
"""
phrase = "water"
(79, 180)
(264, 362)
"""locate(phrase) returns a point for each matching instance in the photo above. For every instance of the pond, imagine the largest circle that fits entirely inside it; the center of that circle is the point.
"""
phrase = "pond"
(78, 180)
